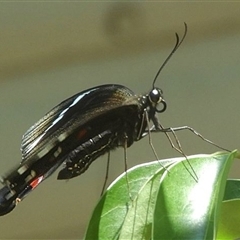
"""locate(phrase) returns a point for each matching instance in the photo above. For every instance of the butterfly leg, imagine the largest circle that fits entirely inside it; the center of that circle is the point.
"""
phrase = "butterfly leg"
(172, 130)
(106, 175)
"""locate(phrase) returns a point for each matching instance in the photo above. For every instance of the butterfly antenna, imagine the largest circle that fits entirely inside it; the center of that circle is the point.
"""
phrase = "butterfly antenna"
(178, 43)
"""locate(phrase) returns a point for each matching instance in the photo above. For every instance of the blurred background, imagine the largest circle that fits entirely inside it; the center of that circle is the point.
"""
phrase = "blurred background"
(52, 50)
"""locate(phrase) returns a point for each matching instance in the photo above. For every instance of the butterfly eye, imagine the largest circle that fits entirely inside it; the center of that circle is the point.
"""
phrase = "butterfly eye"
(155, 96)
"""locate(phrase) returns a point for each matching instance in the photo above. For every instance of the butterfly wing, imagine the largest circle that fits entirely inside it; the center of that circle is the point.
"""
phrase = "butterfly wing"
(84, 125)
(69, 115)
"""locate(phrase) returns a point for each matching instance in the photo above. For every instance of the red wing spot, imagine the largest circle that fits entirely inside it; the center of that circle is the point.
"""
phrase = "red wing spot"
(81, 133)
(36, 182)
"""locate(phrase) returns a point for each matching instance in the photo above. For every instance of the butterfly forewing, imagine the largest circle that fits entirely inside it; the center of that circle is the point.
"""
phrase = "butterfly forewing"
(76, 121)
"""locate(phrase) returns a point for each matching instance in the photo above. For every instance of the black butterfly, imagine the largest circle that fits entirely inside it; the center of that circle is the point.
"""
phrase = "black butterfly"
(79, 130)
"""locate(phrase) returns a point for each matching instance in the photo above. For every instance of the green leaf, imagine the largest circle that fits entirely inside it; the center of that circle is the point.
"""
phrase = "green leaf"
(232, 190)
(192, 210)
(109, 215)
(229, 220)
(151, 203)
(230, 214)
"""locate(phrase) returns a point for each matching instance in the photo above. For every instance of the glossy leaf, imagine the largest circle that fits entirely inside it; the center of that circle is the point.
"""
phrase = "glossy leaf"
(230, 214)
(160, 204)
(232, 190)
(110, 214)
(229, 220)
(192, 209)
